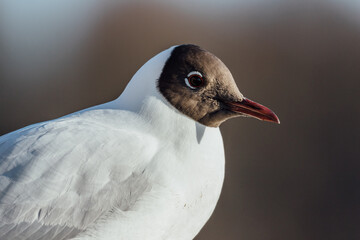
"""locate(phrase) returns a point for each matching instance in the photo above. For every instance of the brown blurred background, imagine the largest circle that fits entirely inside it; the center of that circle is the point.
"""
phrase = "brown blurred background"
(298, 180)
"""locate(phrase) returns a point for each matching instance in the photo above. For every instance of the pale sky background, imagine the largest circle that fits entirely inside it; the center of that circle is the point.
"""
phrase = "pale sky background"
(31, 30)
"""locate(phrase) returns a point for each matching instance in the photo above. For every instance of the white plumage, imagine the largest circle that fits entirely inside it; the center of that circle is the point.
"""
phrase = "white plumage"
(134, 168)
(148, 165)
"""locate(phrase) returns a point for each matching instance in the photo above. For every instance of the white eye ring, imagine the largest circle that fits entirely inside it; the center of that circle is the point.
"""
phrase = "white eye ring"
(190, 74)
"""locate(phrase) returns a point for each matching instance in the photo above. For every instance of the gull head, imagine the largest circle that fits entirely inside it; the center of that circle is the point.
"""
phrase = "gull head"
(199, 85)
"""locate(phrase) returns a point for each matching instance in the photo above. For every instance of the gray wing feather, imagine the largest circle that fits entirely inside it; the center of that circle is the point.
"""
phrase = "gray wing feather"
(58, 177)
(36, 231)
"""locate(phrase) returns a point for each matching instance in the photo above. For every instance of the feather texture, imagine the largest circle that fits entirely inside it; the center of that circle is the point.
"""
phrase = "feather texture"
(60, 173)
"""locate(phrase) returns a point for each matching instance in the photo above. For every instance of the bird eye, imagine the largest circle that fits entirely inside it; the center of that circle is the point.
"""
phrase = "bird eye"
(194, 80)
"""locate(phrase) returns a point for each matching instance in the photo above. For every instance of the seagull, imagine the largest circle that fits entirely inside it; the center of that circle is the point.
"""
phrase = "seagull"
(148, 165)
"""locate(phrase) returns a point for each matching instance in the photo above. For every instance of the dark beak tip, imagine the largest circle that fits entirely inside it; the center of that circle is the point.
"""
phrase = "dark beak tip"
(271, 116)
(275, 119)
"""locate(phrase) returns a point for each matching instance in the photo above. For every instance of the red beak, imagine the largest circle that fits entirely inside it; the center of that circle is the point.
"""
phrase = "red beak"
(253, 109)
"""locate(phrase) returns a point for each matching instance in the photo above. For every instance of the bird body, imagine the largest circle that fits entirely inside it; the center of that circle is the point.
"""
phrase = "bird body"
(134, 168)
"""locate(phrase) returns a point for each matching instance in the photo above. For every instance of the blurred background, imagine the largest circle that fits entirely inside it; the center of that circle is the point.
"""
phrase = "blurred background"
(297, 180)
